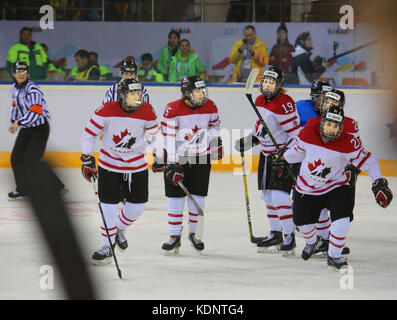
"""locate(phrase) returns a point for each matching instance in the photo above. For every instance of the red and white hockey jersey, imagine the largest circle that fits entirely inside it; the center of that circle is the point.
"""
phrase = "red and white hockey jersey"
(123, 144)
(282, 118)
(187, 131)
(323, 165)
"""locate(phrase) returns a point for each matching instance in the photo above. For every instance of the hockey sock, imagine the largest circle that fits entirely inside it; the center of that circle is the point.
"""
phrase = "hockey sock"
(282, 204)
(309, 233)
(128, 214)
(175, 214)
(323, 224)
(110, 215)
(337, 237)
(193, 214)
(272, 215)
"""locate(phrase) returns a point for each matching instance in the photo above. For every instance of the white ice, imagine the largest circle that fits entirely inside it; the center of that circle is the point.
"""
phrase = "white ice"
(230, 267)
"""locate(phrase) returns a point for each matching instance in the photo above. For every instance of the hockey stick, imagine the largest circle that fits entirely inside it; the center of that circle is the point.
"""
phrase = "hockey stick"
(200, 222)
(249, 88)
(106, 229)
(247, 203)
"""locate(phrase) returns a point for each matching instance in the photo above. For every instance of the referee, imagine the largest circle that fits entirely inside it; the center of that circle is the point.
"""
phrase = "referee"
(29, 113)
(128, 70)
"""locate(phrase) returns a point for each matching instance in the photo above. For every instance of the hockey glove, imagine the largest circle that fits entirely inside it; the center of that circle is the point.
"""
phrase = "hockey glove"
(352, 173)
(158, 167)
(382, 193)
(246, 143)
(174, 173)
(216, 149)
(279, 166)
(88, 167)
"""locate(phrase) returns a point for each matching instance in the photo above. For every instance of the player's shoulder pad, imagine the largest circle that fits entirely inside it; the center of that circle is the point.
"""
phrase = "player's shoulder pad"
(105, 110)
(260, 100)
(147, 111)
(311, 129)
(171, 110)
(211, 106)
(350, 126)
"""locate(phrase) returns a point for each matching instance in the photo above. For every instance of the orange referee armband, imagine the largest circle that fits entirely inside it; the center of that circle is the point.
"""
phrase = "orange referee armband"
(36, 108)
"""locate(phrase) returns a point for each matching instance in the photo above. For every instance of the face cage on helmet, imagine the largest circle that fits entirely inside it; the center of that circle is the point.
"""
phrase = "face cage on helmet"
(330, 137)
(128, 108)
(190, 97)
(269, 94)
(325, 100)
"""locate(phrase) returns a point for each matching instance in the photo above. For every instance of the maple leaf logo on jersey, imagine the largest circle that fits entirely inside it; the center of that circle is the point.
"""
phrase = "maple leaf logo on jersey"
(123, 134)
(189, 136)
(318, 170)
(124, 140)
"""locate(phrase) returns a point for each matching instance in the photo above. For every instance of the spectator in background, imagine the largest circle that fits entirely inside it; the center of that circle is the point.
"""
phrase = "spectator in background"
(106, 74)
(186, 63)
(237, 11)
(30, 52)
(167, 52)
(280, 56)
(86, 70)
(147, 72)
(304, 70)
(248, 53)
(51, 64)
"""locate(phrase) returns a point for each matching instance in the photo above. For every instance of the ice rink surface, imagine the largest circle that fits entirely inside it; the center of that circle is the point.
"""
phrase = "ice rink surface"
(230, 267)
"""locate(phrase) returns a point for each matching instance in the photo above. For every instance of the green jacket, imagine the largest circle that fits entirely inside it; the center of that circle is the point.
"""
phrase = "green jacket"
(34, 56)
(105, 72)
(164, 61)
(183, 68)
(150, 76)
(52, 66)
(73, 71)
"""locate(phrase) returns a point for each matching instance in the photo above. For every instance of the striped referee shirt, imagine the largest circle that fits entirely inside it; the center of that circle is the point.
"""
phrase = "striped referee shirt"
(111, 94)
(28, 108)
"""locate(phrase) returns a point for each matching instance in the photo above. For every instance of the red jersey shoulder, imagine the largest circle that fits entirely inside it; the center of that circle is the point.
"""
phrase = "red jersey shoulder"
(282, 105)
(171, 110)
(145, 112)
(346, 143)
(108, 109)
(350, 126)
(113, 109)
(311, 131)
(180, 108)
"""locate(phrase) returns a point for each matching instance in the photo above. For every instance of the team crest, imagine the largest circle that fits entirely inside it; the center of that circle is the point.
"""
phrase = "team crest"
(318, 171)
(124, 140)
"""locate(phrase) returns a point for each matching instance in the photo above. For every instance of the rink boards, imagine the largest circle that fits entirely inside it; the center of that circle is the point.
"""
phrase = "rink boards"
(71, 106)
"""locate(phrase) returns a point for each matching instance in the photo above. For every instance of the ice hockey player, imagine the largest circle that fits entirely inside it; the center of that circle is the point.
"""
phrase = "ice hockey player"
(333, 97)
(122, 161)
(191, 128)
(279, 113)
(128, 70)
(324, 148)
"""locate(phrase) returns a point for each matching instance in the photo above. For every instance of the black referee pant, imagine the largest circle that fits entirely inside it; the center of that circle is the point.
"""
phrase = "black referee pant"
(29, 148)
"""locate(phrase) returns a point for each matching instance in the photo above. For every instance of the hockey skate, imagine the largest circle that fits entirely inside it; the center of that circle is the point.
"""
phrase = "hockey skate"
(197, 244)
(271, 243)
(102, 256)
(15, 195)
(336, 264)
(345, 253)
(289, 245)
(171, 248)
(322, 248)
(309, 249)
(121, 240)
